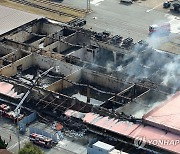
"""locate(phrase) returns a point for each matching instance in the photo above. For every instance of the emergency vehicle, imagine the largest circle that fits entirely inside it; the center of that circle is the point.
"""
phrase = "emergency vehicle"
(41, 140)
(160, 29)
(8, 113)
(4, 108)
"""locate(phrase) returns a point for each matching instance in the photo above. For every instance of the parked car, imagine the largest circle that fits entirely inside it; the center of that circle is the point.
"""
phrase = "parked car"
(166, 4)
(126, 1)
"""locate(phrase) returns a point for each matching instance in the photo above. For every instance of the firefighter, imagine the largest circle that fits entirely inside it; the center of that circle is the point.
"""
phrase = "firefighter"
(10, 138)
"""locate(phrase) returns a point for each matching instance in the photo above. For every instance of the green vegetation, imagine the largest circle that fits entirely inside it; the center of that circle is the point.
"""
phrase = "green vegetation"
(29, 148)
(3, 144)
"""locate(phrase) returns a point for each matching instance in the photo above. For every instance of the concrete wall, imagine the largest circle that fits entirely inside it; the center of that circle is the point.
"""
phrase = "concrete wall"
(35, 28)
(15, 45)
(78, 53)
(56, 86)
(82, 38)
(110, 47)
(84, 54)
(13, 56)
(104, 80)
(63, 46)
(75, 77)
(61, 84)
(20, 36)
(92, 77)
(49, 28)
(4, 49)
(36, 43)
(71, 38)
(46, 63)
(11, 69)
(50, 54)
(52, 46)
(77, 38)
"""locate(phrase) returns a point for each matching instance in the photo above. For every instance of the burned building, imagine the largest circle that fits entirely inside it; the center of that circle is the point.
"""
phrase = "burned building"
(95, 75)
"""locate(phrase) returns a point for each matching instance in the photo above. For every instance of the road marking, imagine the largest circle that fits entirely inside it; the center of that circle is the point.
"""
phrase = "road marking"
(153, 8)
(14, 145)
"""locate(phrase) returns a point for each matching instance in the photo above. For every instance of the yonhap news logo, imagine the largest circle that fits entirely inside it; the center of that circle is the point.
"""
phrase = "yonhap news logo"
(141, 141)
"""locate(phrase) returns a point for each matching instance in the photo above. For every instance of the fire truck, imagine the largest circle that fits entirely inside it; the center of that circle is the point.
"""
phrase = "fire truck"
(160, 29)
(4, 108)
(41, 140)
(7, 112)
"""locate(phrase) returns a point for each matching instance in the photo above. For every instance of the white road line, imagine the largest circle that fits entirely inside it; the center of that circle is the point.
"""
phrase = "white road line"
(153, 8)
(14, 145)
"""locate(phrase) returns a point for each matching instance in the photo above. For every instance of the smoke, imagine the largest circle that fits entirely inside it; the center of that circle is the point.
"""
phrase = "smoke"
(145, 109)
(109, 67)
(172, 73)
(155, 65)
(145, 63)
(156, 39)
(119, 68)
(174, 22)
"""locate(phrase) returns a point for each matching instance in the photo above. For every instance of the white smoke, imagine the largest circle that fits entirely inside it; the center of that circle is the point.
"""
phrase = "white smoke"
(148, 63)
(119, 68)
(109, 67)
(174, 22)
(157, 39)
(172, 71)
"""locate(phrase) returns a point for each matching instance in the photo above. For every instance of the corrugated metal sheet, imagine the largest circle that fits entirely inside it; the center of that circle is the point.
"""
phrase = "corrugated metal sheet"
(76, 114)
(120, 127)
(12, 18)
(158, 138)
(7, 89)
(166, 116)
(135, 130)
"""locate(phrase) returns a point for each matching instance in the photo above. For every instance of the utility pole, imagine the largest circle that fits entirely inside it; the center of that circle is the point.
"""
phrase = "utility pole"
(88, 6)
(19, 147)
(88, 94)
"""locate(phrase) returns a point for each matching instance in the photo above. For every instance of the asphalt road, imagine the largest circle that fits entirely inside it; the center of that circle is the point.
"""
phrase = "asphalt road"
(66, 146)
(7, 128)
(126, 20)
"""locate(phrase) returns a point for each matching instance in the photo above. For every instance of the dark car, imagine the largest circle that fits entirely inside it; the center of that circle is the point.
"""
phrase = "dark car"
(166, 4)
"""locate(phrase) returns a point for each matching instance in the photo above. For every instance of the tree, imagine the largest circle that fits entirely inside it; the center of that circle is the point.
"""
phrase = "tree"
(29, 148)
(3, 144)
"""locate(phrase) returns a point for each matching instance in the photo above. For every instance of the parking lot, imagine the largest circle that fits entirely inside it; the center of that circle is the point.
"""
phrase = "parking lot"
(130, 20)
